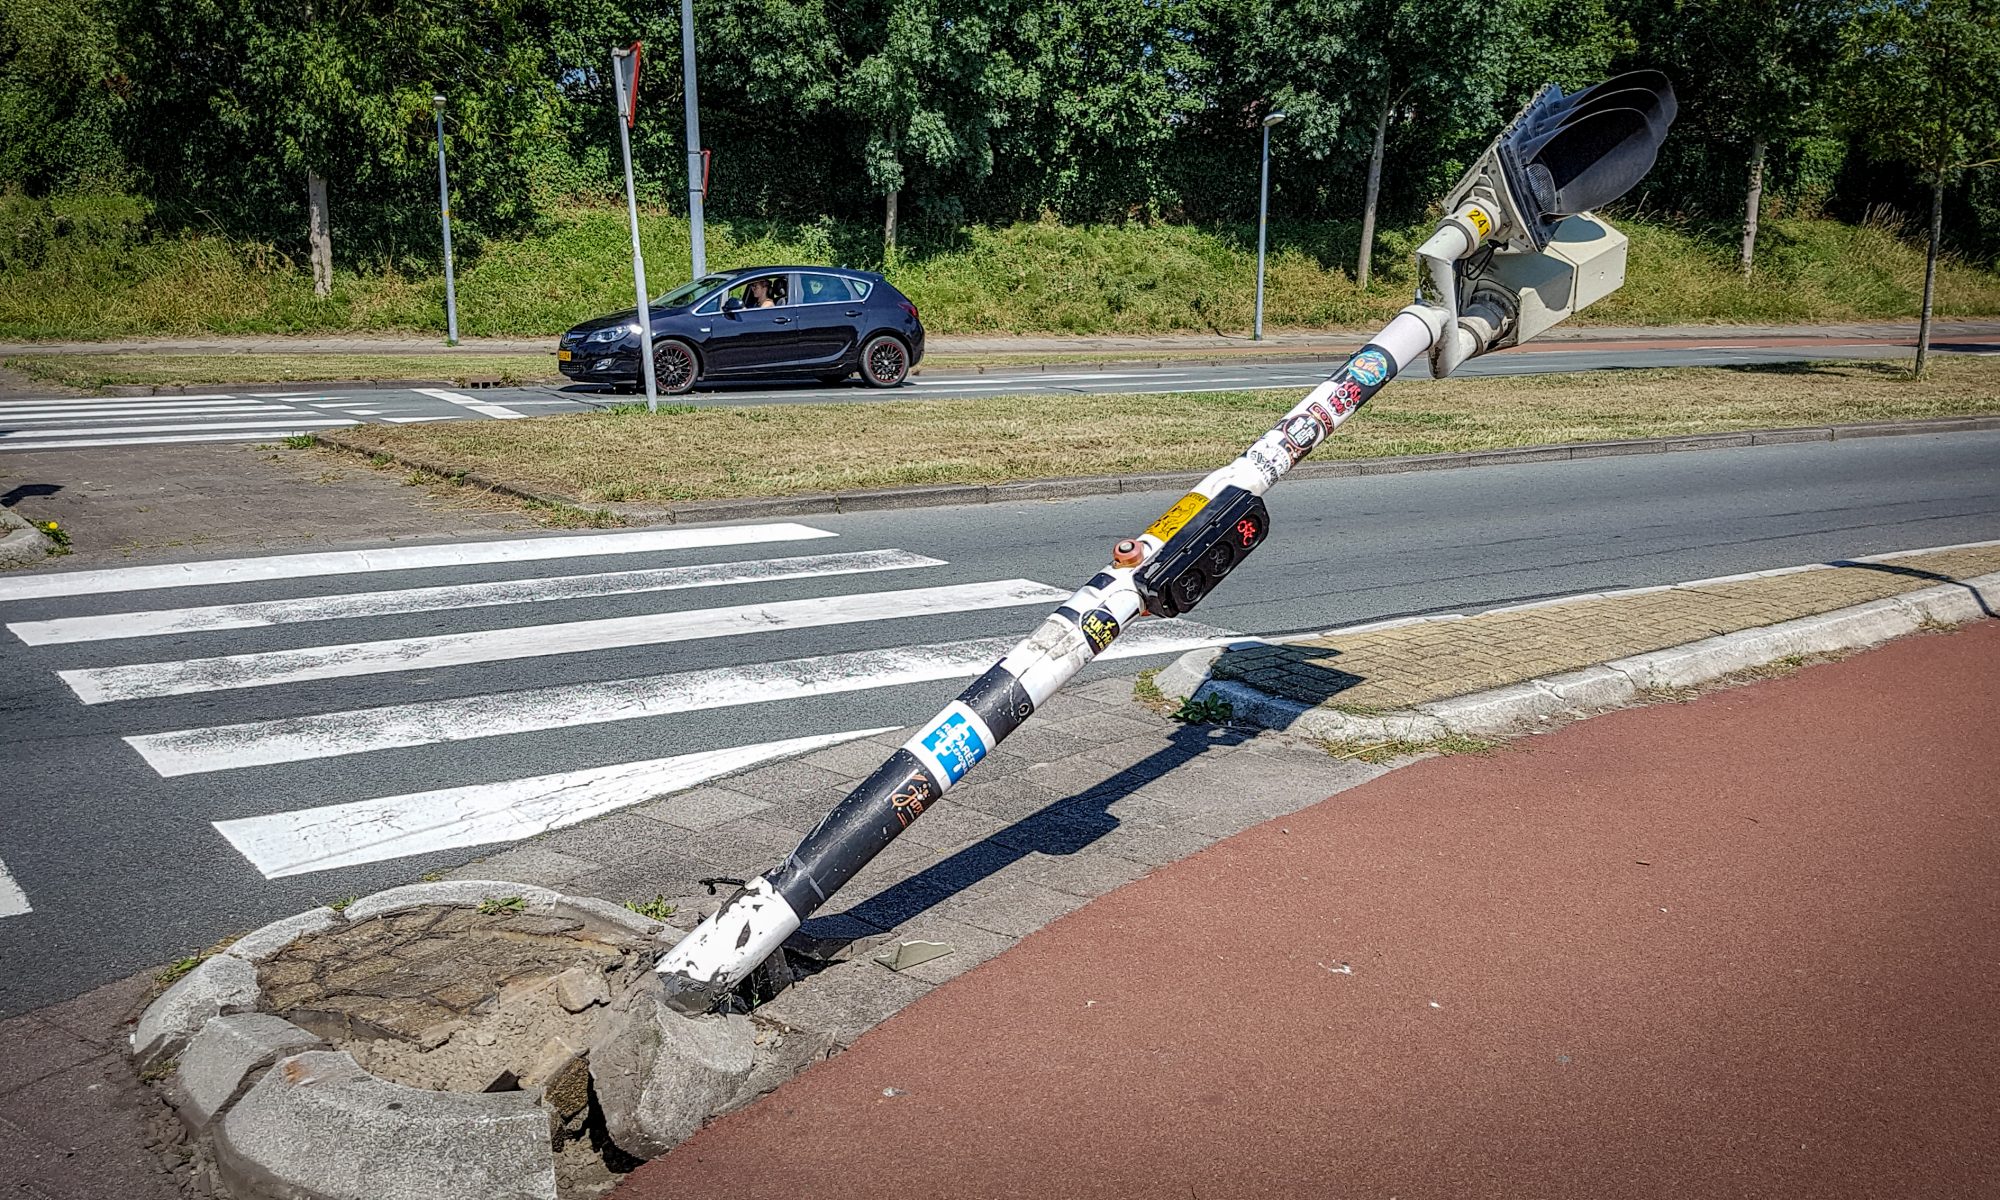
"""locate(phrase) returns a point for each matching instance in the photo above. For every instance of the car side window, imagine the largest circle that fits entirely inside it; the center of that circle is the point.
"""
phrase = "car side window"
(861, 288)
(823, 289)
(763, 291)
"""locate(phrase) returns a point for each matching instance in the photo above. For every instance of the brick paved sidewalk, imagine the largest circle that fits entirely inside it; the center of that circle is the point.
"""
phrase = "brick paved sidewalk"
(1394, 667)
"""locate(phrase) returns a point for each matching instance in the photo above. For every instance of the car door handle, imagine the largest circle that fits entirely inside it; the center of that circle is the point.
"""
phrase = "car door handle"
(853, 312)
(781, 320)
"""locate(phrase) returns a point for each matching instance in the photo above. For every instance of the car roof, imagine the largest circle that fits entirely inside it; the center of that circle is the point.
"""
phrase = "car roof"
(740, 272)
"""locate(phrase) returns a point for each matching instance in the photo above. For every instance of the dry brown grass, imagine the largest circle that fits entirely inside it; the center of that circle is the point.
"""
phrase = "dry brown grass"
(779, 450)
(93, 371)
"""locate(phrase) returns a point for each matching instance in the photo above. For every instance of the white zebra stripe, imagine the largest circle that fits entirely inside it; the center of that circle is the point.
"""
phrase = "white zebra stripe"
(343, 835)
(100, 685)
(13, 901)
(78, 443)
(429, 722)
(108, 431)
(351, 605)
(268, 412)
(392, 558)
(482, 407)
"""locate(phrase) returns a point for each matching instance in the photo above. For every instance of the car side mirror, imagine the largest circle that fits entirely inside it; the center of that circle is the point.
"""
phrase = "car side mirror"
(732, 305)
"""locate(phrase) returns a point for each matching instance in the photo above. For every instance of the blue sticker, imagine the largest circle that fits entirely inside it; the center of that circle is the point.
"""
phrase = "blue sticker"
(956, 745)
(1370, 367)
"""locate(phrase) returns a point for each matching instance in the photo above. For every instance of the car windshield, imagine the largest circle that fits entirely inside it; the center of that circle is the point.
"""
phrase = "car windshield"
(687, 292)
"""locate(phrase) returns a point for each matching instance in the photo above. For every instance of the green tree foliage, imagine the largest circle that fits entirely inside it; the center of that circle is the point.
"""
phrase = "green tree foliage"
(1924, 89)
(967, 111)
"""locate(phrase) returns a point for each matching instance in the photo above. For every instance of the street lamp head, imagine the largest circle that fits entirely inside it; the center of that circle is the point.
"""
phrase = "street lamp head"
(1271, 119)
(437, 102)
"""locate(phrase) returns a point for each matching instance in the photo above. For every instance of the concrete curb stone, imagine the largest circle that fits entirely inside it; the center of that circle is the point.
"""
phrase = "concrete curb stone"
(261, 943)
(658, 1074)
(456, 893)
(218, 986)
(1520, 706)
(319, 1125)
(22, 543)
(215, 1068)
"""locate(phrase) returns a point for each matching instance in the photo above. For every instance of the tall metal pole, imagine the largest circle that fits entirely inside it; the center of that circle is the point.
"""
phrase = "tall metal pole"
(1263, 209)
(638, 258)
(444, 207)
(697, 241)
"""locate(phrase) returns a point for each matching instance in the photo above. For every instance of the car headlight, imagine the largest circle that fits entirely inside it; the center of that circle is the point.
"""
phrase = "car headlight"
(616, 333)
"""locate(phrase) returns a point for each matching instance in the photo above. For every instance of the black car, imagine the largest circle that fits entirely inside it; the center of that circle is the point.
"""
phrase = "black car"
(758, 322)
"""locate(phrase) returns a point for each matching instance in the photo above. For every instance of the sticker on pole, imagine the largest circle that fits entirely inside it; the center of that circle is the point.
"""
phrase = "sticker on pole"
(627, 63)
(1170, 522)
(955, 744)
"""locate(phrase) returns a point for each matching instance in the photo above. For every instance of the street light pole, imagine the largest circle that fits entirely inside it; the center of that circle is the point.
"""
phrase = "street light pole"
(697, 243)
(444, 208)
(1263, 210)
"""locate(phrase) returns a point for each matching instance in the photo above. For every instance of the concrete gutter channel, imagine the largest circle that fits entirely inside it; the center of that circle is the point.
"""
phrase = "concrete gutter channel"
(698, 511)
(273, 1051)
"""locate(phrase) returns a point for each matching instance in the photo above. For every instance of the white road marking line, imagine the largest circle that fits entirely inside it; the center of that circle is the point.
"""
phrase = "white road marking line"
(103, 685)
(342, 835)
(77, 443)
(429, 722)
(13, 901)
(393, 558)
(484, 408)
(342, 404)
(308, 423)
(347, 606)
(265, 414)
(135, 403)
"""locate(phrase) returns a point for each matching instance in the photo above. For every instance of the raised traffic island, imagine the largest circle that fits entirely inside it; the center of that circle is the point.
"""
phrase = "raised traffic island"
(462, 1040)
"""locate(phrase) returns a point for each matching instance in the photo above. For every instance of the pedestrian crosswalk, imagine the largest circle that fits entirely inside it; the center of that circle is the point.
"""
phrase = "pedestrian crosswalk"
(86, 421)
(340, 708)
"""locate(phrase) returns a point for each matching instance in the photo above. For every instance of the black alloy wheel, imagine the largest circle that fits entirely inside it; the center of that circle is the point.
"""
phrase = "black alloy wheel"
(885, 361)
(675, 367)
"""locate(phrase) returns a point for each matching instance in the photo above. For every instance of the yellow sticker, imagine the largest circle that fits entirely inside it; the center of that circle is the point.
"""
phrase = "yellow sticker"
(1480, 220)
(1170, 522)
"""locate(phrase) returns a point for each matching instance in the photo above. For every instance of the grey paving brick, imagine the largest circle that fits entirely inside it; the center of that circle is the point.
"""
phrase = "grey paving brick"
(1016, 910)
(1116, 690)
(1007, 799)
(782, 781)
(1088, 873)
(1100, 728)
(853, 761)
(640, 880)
(1156, 846)
(746, 843)
(620, 837)
(701, 808)
(845, 1000)
(1034, 742)
(951, 825)
(533, 863)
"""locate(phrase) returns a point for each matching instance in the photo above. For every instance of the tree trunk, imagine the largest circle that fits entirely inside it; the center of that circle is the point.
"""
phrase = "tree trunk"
(317, 236)
(889, 227)
(1374, 191)
(1751, 204)
(1930, 271)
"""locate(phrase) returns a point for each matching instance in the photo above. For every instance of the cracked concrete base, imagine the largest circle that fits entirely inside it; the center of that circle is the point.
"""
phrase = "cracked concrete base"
(1524, 706)
(434, 985)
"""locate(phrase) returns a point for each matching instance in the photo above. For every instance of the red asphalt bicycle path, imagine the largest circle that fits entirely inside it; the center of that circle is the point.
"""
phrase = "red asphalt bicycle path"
(1743, 946)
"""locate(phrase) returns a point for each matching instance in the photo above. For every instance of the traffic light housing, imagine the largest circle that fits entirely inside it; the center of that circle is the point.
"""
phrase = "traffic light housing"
(1205, 550)
(1569, 154)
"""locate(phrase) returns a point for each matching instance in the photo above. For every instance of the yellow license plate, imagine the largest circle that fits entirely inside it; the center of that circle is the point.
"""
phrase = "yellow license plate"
(563, 356)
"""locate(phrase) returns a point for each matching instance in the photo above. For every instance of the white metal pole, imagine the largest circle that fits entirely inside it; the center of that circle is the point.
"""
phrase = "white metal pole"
(444, 207)
(697, 240)
(638, 258)
(1263, 206)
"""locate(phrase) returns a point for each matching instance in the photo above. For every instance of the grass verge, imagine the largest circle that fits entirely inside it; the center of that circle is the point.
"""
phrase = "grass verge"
(94, 371)
(786, 450)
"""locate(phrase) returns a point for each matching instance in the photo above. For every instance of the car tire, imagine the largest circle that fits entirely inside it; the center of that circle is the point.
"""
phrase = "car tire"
(676, 367)
(885, 361)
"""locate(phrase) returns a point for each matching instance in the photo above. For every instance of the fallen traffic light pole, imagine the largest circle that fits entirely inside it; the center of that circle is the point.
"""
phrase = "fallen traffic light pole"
(1518, 253)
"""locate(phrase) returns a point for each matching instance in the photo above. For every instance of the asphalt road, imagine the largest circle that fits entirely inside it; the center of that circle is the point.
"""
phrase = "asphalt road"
(269, 414)
(113, 859)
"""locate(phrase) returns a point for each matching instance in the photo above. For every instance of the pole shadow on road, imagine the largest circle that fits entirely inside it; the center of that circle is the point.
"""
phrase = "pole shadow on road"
(1917, 573)
(1064, 827)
